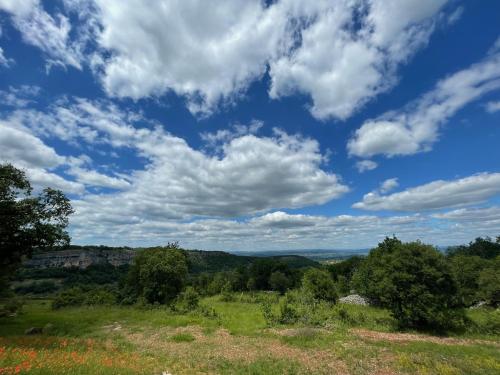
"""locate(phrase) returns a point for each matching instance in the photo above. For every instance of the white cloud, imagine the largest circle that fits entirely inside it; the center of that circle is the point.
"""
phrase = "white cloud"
(208, 52)
(40, 29)
(278, 230)
(4, 61)
(24, 149)
(436, 195)
(94, 178)
(492, 107)
(343, 62)
(388, 185)
(415, 128)
(41, 178)
(251, 174)
(365, 165)
(339, 53)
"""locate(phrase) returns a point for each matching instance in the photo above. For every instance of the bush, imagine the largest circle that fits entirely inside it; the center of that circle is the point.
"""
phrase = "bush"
(42, 287)
(319, 285)
(414, 281)
(69, 297)
(78, 297)
(11, 307)
(188, 299)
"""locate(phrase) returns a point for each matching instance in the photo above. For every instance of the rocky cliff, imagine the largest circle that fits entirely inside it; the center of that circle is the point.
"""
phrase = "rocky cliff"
(80, 258)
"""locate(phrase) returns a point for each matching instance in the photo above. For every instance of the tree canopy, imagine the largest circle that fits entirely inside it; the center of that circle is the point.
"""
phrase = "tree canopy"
(28, 222)
(413, 280)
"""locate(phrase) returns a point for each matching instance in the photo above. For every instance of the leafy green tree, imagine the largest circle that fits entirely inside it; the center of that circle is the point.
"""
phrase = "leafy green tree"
(158, 274)
(28, 222)
(319, 285)
(484, 248)
(414, 281)
(466, 271)
(279, 282)
(489, 283)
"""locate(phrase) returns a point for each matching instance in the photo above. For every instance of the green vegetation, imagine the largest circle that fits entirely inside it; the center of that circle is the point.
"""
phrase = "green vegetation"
(26, 221)
(414, 281)
(236, 340)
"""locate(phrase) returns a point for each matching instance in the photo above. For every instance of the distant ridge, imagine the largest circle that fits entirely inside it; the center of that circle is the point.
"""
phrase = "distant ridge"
(199, 260)
(313, 254)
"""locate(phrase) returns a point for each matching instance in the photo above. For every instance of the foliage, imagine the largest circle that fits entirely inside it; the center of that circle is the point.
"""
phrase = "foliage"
(188, 300)
(158, 274)
(466, 271)
(318, 284)
(484, 248)
(414, 281)
(37, 287)
(26, 221)
(79, 297)
(489, 283)
(279, 282)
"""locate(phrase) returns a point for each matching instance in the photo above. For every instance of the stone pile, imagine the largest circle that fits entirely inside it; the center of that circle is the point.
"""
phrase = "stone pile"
(355, 299)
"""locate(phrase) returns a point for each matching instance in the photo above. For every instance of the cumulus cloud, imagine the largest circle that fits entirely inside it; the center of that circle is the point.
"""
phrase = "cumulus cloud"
(388, 185)
(365, 165)
(339, 53)
(436, 195)
(415, 128)
(278, 230)
(343, 61)
(207, 52)
(251, 174)
(25, 149)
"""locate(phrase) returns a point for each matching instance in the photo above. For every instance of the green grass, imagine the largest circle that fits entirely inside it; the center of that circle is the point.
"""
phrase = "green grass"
(182, 337)
(126, 340)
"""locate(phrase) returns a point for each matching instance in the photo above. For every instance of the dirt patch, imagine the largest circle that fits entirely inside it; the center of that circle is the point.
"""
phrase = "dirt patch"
(296, 332)
(222, 345)
(410, 337)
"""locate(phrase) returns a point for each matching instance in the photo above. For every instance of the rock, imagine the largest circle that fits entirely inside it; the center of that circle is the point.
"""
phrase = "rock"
(48, 329)
(33, 331)
(355, 299)
(478, 305)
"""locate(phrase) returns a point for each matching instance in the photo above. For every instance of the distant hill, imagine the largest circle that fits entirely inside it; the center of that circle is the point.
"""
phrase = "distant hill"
(199, 260)
(313, 254)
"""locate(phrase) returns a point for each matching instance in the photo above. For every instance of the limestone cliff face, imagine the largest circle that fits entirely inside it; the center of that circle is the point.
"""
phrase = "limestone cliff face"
(80, 259)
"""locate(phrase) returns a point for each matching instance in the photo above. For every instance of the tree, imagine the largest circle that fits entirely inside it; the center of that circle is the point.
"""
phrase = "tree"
(158, 274)
(466, 271)
(319, 285)
(414, 281)
(279, 282)
(481, 247)
(489, 283)
(28, 222)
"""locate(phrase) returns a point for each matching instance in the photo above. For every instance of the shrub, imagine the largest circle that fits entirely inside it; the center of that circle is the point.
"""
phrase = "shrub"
(188, 299)
(42, 287)
(319, 285)
(414, 281)
(99, 297)
(69, 297)
(79, 297)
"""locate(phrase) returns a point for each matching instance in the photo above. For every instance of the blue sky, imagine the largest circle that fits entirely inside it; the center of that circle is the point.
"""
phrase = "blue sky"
(246, 125)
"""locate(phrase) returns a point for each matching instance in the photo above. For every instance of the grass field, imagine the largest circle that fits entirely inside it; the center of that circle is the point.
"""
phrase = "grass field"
(234, 340)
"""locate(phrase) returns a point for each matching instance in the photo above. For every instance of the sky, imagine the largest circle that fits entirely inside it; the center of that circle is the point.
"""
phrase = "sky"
(252, 125)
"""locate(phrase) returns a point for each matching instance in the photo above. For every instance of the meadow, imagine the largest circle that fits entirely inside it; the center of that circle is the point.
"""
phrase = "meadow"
(233, 337)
